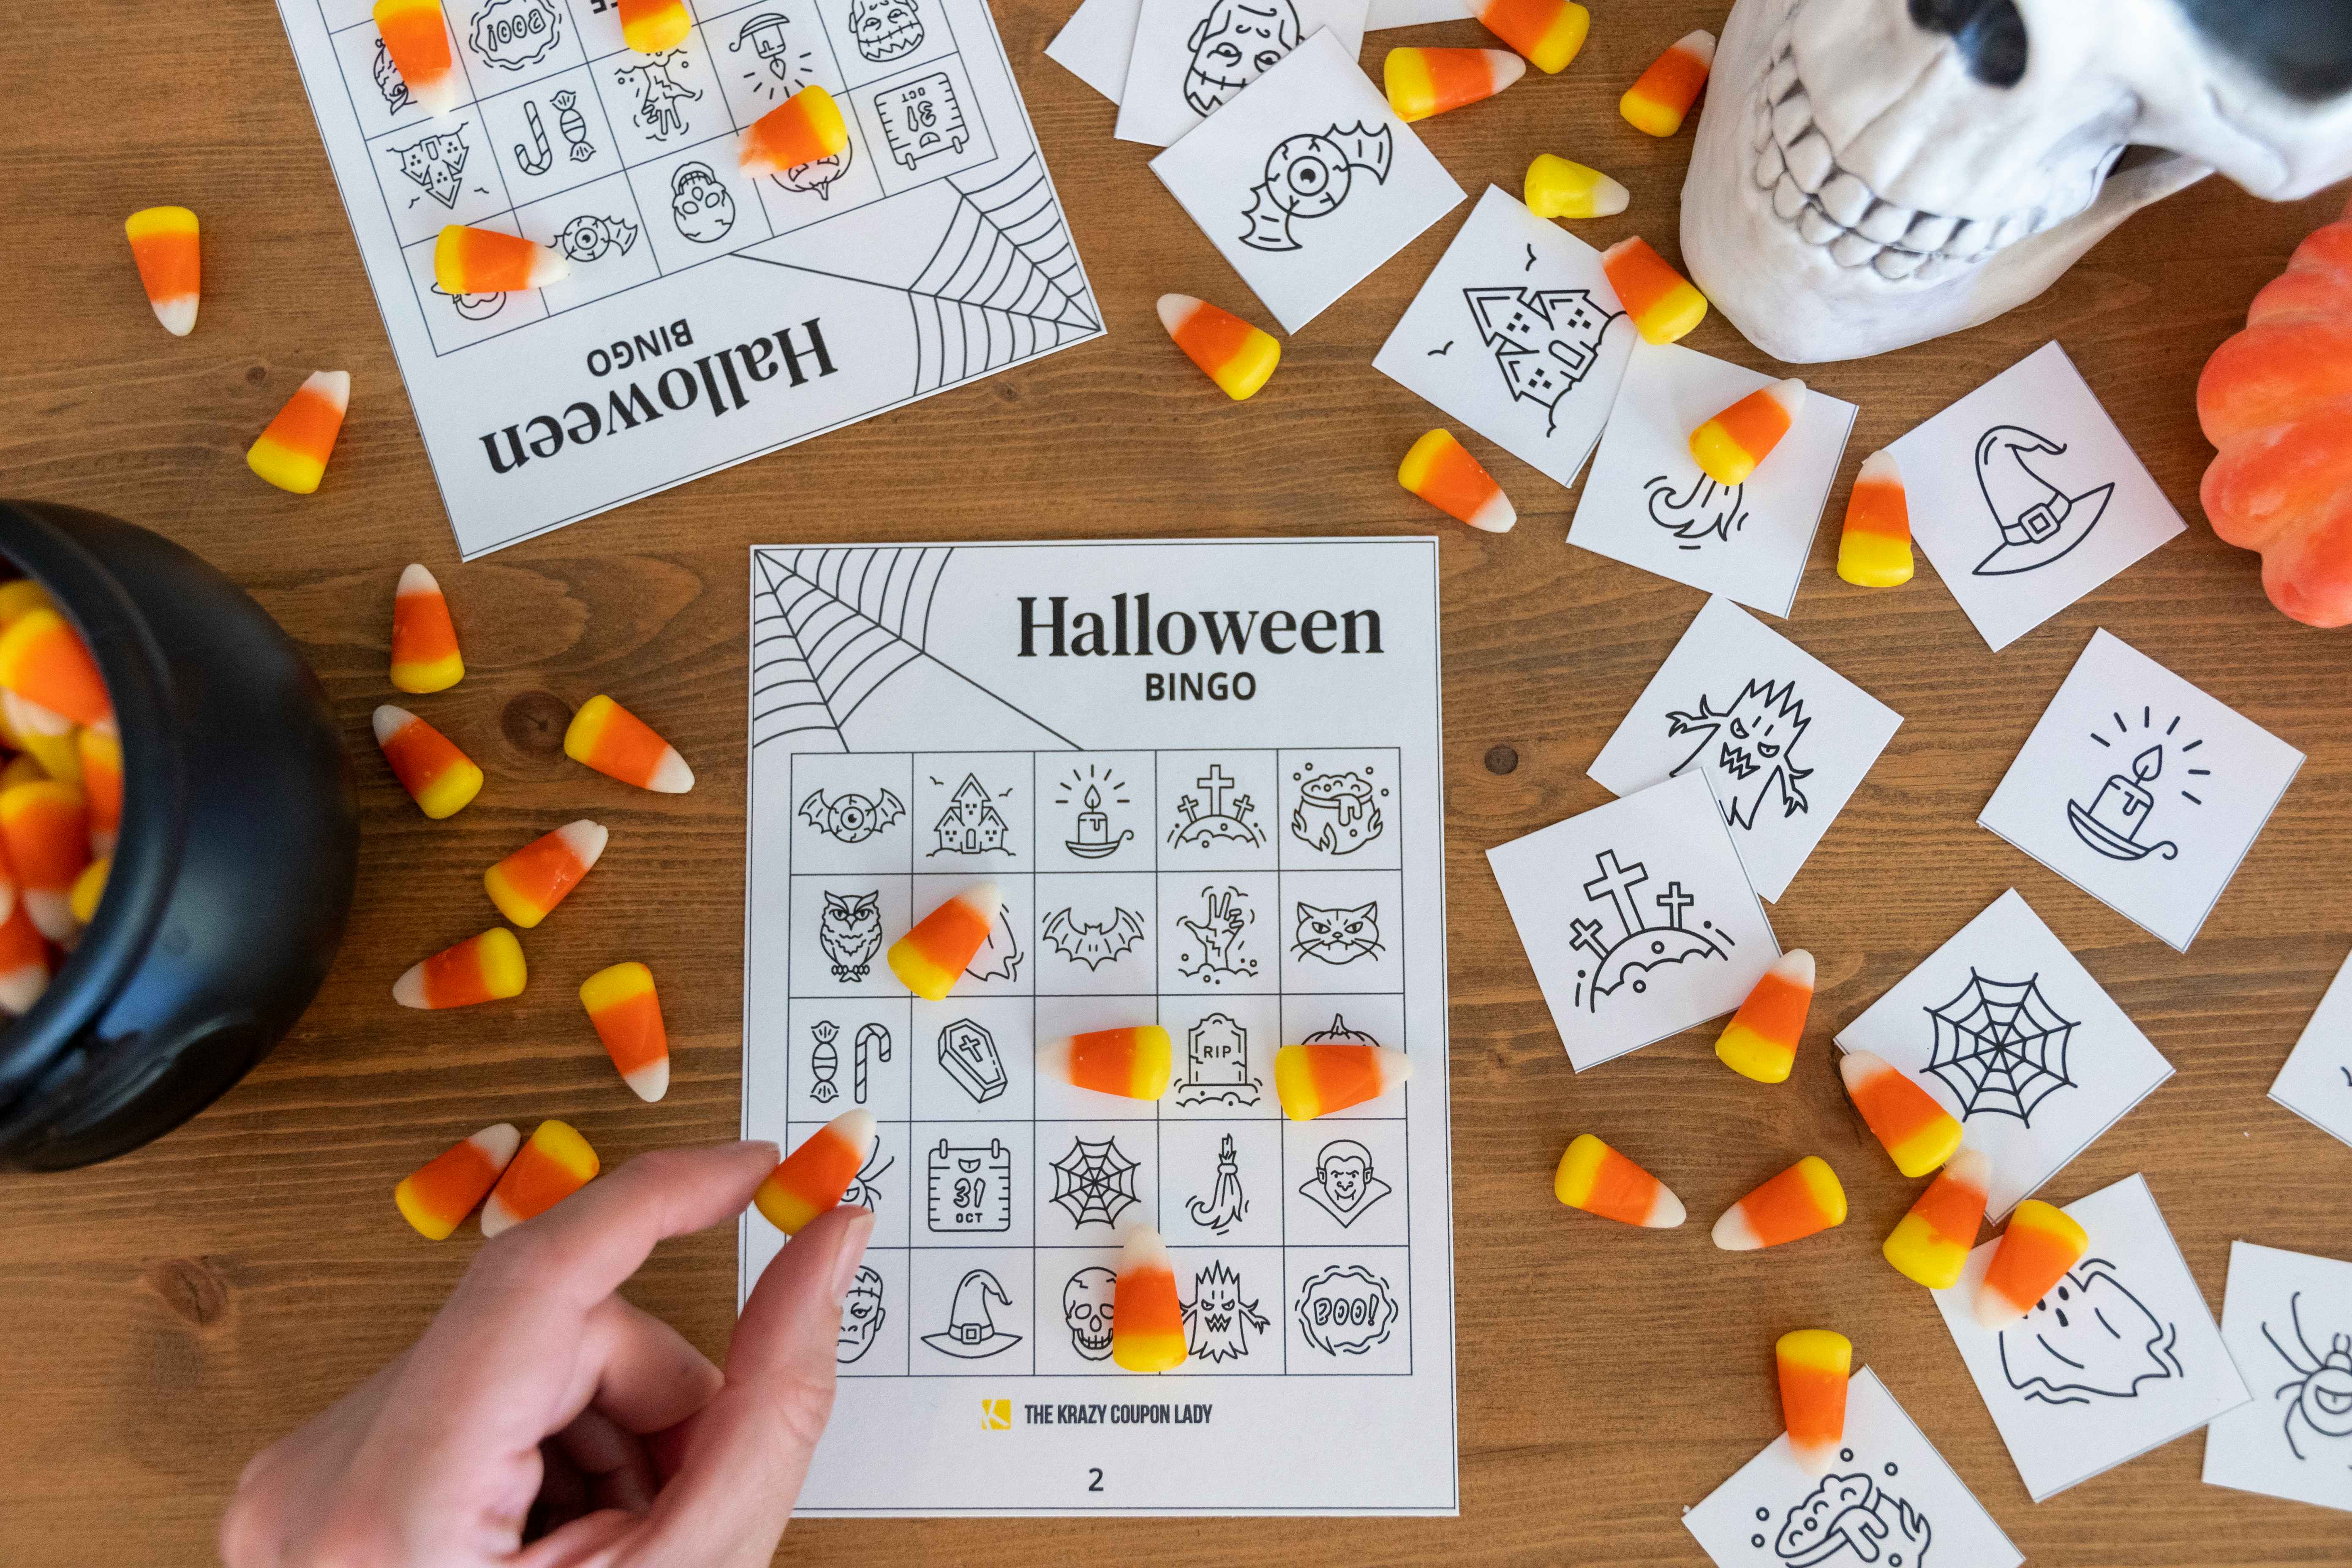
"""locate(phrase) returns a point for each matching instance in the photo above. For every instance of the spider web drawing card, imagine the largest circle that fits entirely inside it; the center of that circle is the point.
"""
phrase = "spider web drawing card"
(2287, 1318)
(2120, 1357)
(2010, 1033)
(2315, 1083)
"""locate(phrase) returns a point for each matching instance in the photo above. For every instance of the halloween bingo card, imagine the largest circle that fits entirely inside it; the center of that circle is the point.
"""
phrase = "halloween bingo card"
(706, 317)
(1205, 778)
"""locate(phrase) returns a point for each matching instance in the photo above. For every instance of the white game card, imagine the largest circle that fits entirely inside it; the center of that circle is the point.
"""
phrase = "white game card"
(1637, 918)
(2140, 789)
(1412, 13)
(1783, 739)
(2026, 496)
(2287, 1320)
(2120, 1357)
(2317, 1081)
(2011, 1034)
(1191, 57)
(1306, 181)
(1890, 1502)
(1094, 43)
(1519, 336)
(1649, 505)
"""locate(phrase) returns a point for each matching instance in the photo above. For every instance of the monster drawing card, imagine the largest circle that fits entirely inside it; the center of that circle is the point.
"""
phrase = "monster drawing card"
(1190, 57)
(2287, 1318)
(2317, 1081)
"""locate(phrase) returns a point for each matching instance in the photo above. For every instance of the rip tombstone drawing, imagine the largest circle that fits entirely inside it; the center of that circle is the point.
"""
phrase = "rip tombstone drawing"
(1215, 1069)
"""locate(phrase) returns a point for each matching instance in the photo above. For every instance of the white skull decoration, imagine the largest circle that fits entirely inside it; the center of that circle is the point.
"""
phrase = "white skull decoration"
(1870, 174)
(1085, 1308)
(885, 29)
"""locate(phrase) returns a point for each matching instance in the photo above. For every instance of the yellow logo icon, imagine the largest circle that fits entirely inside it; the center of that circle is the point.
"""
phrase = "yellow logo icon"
(996, 1416)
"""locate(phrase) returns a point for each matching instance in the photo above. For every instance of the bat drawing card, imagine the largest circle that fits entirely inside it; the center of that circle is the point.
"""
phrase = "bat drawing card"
(1637, 918)
(2026, 496)
(2010, 1033)
(2140, 789)
(1094, 43)
(2317, 1081)
(1204, 779)
(1890, 1499)
(2120, 1357)
(2287, 1318)
(1782, 739)
(1306, 181)
(1648, 504)
(1516, 334)
(1191, 57)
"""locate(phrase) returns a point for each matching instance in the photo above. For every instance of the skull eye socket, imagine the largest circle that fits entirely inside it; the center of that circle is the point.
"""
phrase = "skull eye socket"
(1990, 35)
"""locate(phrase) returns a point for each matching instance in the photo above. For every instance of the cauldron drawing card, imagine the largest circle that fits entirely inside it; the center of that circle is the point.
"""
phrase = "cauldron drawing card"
(2120, 1357)
(1190, 57)
(2286, 1319)
(1306, 181)
(2317, 1081)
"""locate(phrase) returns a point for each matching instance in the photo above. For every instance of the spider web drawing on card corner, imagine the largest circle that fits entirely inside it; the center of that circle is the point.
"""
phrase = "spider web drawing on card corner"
(2001, 1047)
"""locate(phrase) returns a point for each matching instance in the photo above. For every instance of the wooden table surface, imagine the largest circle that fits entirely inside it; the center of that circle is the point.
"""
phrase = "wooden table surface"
(171, 1312)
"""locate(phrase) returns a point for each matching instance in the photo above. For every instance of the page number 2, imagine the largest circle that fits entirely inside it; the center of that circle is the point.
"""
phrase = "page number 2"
(1095, 1483)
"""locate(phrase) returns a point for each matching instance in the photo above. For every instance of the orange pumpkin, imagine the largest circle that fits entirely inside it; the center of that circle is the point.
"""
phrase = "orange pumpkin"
(2277, 400)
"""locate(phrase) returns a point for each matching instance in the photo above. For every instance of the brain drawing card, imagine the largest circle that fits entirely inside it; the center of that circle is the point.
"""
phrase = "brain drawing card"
(1191, 57)
(2317, 1081)
(2287, 1320)
(2011, 1034)
(2120, 1357)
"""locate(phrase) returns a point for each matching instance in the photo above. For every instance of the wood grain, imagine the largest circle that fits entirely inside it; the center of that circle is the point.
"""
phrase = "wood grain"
(174, 1310)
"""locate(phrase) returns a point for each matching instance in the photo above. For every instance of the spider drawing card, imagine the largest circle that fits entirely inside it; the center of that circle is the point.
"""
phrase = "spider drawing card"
(2120, 1357)
(2011, 1034)
(2317, 1081)
(2287, 1318)
(1191, 57)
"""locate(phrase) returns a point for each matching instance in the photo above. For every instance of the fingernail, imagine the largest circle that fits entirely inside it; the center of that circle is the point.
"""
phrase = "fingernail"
(854, 1238)
(766, 1145)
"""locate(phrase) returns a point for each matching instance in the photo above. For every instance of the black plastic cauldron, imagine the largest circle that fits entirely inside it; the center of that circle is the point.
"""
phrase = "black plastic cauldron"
(233, 874)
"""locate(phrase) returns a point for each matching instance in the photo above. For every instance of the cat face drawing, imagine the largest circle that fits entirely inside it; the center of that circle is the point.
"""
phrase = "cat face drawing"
(1337, 936)
(850, 931)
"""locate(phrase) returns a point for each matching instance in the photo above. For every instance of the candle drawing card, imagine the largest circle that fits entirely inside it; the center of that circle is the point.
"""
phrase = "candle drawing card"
(1191, 56)
(2140, 789)
(1648, 504)
(1889, 1500)
(1637, 918)
(2317, 1081)
(2287, 1318)
(1782, 739)
(2010, 1033)
(2026, 496)
(1094, 43)
(1306, 182)
(1518, 335)
(2119, 1358)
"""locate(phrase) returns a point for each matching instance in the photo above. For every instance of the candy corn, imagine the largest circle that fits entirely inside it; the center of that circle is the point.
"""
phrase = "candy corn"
(1549, 32)
(1422, 82)
(22, 768)
(44, 661)
(438, 777)
(292, 452)
(468, 260)
(1728, 446)
(1133, 1063)
(1801, 1200)
(812, 1178)
(418, 42)
(24, 963)
(46, 826)
(801, 130)
(555, 1163)
(1663, 302)
(164, 245)
(438, 1195)
(1659, 98)
(928, 958)
(1597, 1179)
(1875, 551)
(1918, 1133)
(47, 737)
(623, 1005)
(18, 595)
(2041, 1244)
(1147, 1322)
(527, 884)
(485, 968)
(1442, 472)
(1558, 188)
(88, 888)
(652, 26)
(1814, 1365)
(99, 749)
(1315, 1081)
(1238, 357)
(1931, 1242)
(617, 743)
(1761, 1041)
(425, 654)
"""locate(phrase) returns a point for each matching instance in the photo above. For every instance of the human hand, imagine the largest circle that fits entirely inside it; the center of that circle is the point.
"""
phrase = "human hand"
(538, 1399)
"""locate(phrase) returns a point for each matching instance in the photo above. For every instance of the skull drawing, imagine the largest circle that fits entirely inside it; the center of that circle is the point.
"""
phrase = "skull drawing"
(1870, 174)
(703, 206)
(885, 29)
(1233, 45)
(1085, 1308)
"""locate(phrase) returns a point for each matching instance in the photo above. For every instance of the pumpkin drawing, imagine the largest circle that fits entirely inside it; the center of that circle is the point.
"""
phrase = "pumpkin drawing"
(1339, 1034)
(2277, 400)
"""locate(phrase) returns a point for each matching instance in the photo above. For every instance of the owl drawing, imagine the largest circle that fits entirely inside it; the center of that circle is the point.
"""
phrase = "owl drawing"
(851, 933)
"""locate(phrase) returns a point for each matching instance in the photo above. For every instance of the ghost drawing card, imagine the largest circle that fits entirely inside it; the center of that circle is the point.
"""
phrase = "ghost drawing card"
(2010, 1033)
(2120, 1357)
(1191, 57)
(1783, 739)
(1518, 335)
(1306, 181)
(1889, 1501)
(2140, 789)
(2317, 1081)
(2287, 1320)
(2026, 496)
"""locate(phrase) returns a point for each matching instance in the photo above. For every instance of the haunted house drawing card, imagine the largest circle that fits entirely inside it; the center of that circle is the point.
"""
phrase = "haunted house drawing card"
(2287, 1321)
(1191, 57)
(2315, 1083)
